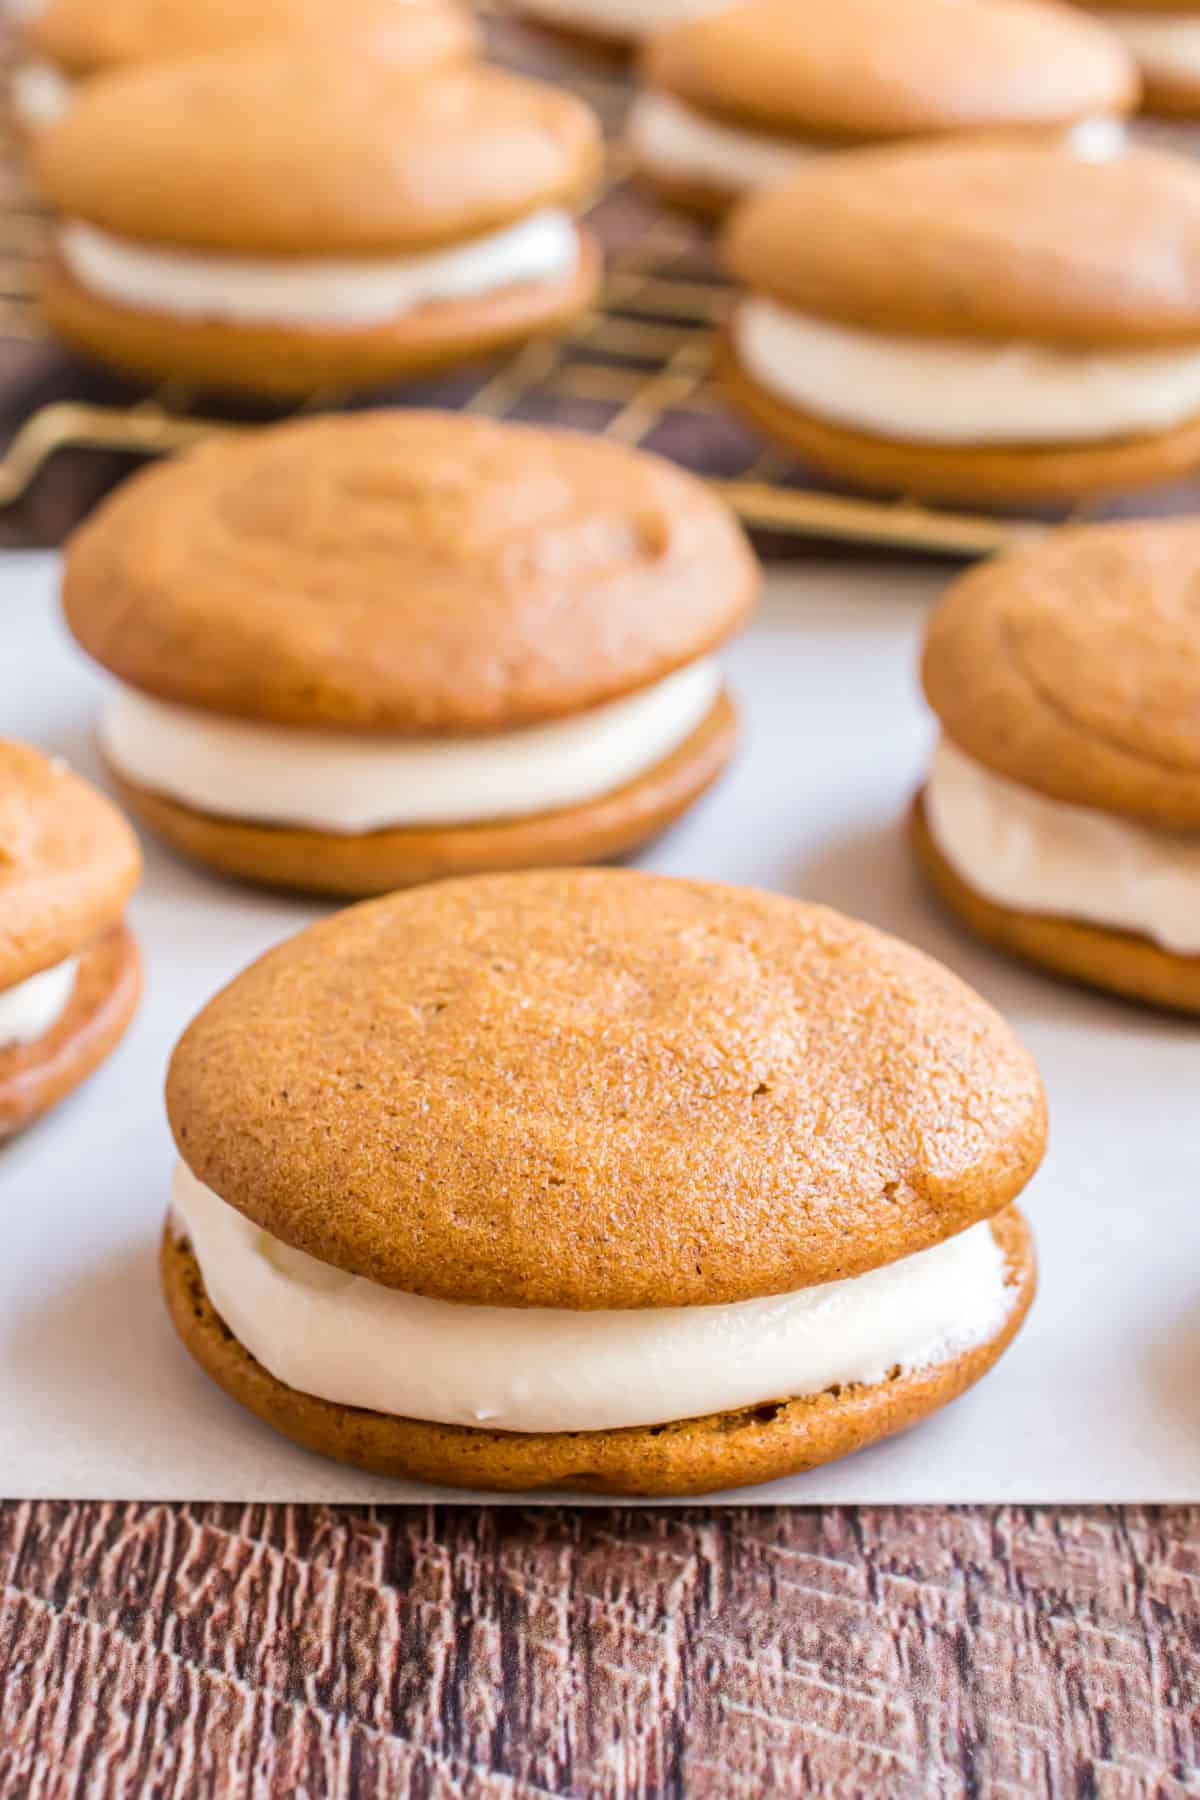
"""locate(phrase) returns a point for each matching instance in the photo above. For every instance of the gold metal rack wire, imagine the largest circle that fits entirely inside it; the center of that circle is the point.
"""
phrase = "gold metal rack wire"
(637, 368)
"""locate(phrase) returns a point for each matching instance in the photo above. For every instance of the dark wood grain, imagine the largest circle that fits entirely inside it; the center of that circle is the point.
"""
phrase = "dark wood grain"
(277, 1650)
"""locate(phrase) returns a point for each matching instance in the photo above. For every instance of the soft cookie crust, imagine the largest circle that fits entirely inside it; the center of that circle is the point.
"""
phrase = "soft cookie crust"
(867, 69)
(693, 1456)
(1119, 961)
(992, 239)
(1072, 666)
(352, 154)
(379, 861)
(993, 475)
(689, 1094)
(293, 361)
(408, 573)
(34, 1077)
(68, 862)
(83, 37)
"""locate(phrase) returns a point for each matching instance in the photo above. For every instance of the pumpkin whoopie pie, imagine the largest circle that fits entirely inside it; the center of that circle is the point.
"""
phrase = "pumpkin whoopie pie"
(359, 651)
(597, 1179)
(69, 970)
(1061, 817)
(65, 42)
(739, 99)
(376, 223)
(1163, 36)
(989, 321)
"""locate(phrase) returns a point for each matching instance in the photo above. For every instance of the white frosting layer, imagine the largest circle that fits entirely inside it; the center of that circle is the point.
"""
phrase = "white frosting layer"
(283, 775)
(939, 391)
(40, 93)
(533, 1369)
(324, 291)
(671, 139)
(28, 1010)
(1021, 850)
(620, 18)
(1164, 43)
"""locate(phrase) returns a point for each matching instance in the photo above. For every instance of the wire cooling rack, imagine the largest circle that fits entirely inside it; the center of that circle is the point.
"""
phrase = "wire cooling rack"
(636, 368)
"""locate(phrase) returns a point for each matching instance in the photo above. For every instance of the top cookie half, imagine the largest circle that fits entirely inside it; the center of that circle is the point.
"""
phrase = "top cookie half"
(984, 240)
(68, 862)
(1073, 667)
(864, 70)
(311, 148)
(406, 572)
(86, 37)
(602, 1090)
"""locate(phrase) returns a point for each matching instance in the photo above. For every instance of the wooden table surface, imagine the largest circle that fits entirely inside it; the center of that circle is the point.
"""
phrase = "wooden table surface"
(215, 1650)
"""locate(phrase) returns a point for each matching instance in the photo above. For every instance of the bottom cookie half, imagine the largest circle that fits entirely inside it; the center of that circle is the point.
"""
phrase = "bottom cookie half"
(693, 1456)
(998, 475)
(1119, 961)
(34, 1077)
(291, 361)
(376, 862)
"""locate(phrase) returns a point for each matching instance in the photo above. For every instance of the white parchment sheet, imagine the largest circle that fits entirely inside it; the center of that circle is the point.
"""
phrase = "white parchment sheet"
(1099, 1400)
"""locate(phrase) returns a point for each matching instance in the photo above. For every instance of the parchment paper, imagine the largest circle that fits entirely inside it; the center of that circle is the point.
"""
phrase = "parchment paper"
(1099, 1400)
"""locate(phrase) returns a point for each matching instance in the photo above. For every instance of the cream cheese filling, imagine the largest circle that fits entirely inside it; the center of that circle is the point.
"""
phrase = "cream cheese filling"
(943, 391)
(29, 1009)
(318, 291)
(285, 775)
(676, 141)
(534, 1369)
(671, 139)
(1020, 849)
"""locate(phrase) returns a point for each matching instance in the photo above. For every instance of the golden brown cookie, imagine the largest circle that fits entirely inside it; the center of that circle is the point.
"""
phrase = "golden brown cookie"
(997, 475)
(341, 161)
(734, 97)
(1072, 666)
(609, 1095)
(1120, 962)
(739, 1068)
(68, 864)
(394, 579)
(692, 1456)
(36, 1076)
(979, 240)
(313, 250)
(866, 70)
(288, 361)
(1062, 815)
(1040, 254)
(502, 575)
(378, 861)
(85, 37)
